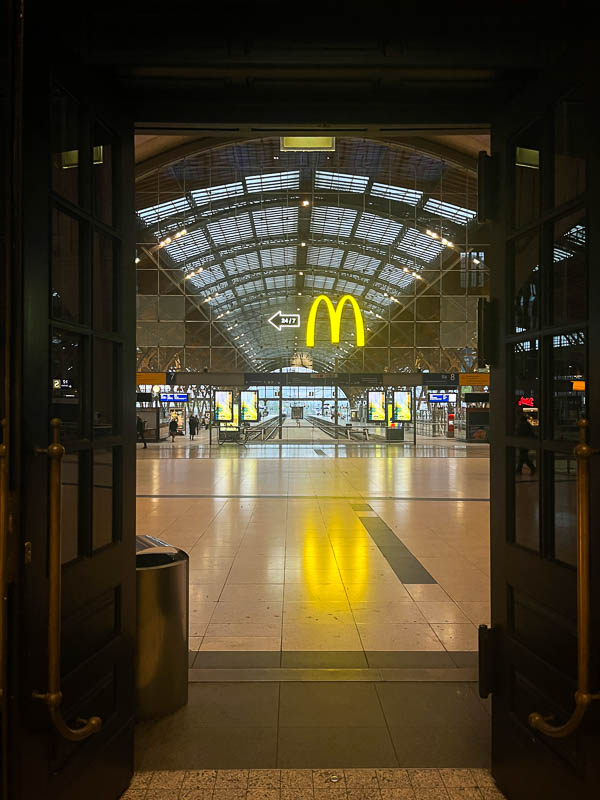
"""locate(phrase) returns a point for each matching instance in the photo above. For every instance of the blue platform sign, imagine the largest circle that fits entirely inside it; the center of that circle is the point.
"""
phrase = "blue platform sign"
(173, 397)
(437, 397)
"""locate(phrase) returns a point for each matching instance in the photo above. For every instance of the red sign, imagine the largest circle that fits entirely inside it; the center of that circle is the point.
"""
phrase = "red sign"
(526, 401)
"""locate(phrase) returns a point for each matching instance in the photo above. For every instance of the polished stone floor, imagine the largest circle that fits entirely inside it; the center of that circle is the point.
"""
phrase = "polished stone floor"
(338, 555)
(317, 784)
(334, 604)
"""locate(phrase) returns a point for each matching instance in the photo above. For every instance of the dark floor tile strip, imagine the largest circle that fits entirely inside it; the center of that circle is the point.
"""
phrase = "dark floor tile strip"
(408, 568)
(333, 659)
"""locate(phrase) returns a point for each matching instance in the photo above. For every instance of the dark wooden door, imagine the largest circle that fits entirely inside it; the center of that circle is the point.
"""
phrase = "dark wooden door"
(73, 360)
(546, 377)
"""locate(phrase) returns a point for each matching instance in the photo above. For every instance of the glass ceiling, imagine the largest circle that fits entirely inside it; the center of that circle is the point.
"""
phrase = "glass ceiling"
(276, 237)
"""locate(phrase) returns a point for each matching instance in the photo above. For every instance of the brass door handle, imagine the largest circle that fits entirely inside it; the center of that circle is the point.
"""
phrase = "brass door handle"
(53, 697)
(3, 554)
(583, 696)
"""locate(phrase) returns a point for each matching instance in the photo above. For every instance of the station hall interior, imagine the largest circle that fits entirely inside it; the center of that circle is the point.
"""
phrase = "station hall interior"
(298, 457)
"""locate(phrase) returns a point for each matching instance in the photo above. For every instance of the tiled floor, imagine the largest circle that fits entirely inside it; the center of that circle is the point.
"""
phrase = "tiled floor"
(326, 560)
(306, 725)
(292, 448)
(317, 784)
(334, 604)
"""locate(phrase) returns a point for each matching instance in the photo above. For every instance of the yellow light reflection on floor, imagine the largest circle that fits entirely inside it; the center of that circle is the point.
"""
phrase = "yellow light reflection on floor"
(318, 570)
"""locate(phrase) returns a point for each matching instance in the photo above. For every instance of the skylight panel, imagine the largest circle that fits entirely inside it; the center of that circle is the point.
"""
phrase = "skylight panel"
(418, 244)
(208, 277)
(275, 221)
(162, 211)
(189, 246)
(213, 193)
(450, 211)
(378, 298)
(560, 254)
(395, 276)
(349, 287)
(325, 256)
(252, 287)
(332, 221)
(243, 263)
(231, 229)
(377, 229)
(278, 256)
(280, 281)
(398, 193)
(319, 282)
(273, 182)
(576, 235)
(359, 262)
(339, 182)
(226, 296)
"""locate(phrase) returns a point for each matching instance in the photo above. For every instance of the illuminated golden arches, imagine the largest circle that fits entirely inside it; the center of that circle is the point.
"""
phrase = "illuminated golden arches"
(335, 319)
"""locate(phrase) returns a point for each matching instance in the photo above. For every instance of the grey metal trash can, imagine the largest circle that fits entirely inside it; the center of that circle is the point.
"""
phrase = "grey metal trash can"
(162, 627)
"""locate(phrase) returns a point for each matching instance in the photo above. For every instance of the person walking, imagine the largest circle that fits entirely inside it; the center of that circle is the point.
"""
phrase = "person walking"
(173, 429)
(193, 424)
(140, 427)
(523, 429)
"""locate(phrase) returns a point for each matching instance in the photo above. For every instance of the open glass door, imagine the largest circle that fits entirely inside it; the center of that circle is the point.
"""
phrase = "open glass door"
(543, 645)
(72, 619)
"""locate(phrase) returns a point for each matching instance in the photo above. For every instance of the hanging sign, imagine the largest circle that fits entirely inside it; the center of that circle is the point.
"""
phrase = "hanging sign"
(173, 397)
(335, 320)
(280, 320)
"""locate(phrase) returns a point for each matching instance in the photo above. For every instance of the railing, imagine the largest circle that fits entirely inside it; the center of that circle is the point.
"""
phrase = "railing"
(340, 431)
(263, 431)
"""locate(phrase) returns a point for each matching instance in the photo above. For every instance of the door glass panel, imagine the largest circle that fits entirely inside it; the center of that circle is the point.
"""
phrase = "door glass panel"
(527, 498)
(103, 299)
(69, 523)
(65, 299)
(569, 270)
(65, 374)
(102, 160)
(525, 365)
(564, 471)
(526, 270)
(528, 163)
(569, 150)
(104, 388)
(66, 145)
(569, 388)
(102, 508)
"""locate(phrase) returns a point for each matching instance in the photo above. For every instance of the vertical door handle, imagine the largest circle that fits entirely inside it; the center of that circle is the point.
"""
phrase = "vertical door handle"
(53, 697)
(3, 555)
(583, 695)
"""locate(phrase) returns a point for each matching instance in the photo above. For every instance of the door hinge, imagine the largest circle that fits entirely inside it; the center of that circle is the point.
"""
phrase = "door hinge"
(27, 553)
(487, 659)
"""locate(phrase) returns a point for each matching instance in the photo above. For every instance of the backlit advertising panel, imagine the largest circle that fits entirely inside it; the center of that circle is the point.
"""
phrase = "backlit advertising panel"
(249, 406)
(402, 407)
(223, 406)
(376, 406)
(235, 422)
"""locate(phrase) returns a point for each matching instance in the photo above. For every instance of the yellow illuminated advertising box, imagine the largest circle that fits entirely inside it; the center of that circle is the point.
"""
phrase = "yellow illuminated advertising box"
(235, 421)
(335, 319)
(376, 406)
(223, 406)
(402, 407)
(249, 405)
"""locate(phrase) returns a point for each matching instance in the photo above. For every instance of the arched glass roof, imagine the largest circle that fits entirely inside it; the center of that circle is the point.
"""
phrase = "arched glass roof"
(246, 230)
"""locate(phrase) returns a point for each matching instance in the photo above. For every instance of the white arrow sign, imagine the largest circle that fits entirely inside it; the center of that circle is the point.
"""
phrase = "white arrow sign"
(280, 320)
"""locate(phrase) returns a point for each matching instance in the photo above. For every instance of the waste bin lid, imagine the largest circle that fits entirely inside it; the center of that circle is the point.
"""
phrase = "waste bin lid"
(153, 552)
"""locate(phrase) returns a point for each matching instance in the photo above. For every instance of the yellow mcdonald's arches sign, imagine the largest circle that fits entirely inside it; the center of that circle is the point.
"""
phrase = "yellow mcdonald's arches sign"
(335, 319)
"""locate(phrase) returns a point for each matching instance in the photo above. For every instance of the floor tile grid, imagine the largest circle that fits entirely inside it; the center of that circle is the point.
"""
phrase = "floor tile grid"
(321, 784)
(443, 604)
